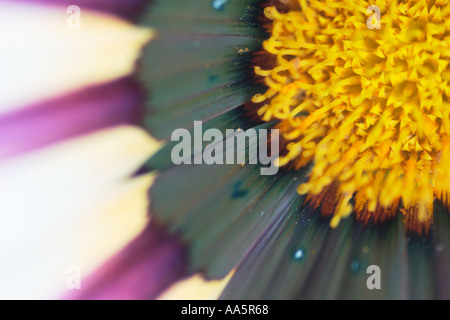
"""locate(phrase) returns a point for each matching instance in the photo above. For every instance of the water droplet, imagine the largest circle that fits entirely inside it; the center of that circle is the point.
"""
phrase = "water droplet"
(440, 247)
(219, 4)
(196, 43)
(213, 78)
(299, 255)
(238, 191)
(354, 265)
(365, 249)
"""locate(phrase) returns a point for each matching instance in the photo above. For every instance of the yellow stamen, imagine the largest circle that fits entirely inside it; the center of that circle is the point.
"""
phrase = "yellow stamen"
(370, 107)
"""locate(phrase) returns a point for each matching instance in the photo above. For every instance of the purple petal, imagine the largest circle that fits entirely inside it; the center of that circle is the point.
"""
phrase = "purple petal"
(94, 108)
(124, 8)
(147, 266)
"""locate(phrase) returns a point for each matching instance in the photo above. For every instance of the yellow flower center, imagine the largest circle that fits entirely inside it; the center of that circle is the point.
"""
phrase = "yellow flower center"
(370, 107)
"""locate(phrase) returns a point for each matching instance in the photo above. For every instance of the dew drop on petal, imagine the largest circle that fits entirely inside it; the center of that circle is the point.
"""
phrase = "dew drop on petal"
(299, 254)
(219, 4)
(354, 265)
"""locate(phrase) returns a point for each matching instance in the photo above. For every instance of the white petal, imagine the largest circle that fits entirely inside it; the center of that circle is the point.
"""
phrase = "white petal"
(196, 288)
(41, 57)
(70, 204)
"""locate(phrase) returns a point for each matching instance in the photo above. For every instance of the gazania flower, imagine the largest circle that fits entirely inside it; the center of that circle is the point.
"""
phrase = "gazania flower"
(357, 90)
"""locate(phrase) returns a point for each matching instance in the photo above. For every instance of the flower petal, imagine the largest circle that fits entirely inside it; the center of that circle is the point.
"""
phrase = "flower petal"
(233, 119)
(127, 9)
(306, 259)
(198, 67)
(42, 58)
(221, 210)
(147, 266)
(196, 288)
(69, 204)
(51, 121)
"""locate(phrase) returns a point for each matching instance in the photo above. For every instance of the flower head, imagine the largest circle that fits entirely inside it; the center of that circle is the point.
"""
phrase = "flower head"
(362, 99)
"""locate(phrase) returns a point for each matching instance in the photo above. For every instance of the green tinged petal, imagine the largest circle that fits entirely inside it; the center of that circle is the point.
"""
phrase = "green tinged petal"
(307, 259)
(437, 249)
(222, 210)
(331, 263)
(199, 65)
(233, 119)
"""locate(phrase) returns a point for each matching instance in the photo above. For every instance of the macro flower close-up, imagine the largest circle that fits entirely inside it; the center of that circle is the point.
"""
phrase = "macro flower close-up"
(224, 149)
